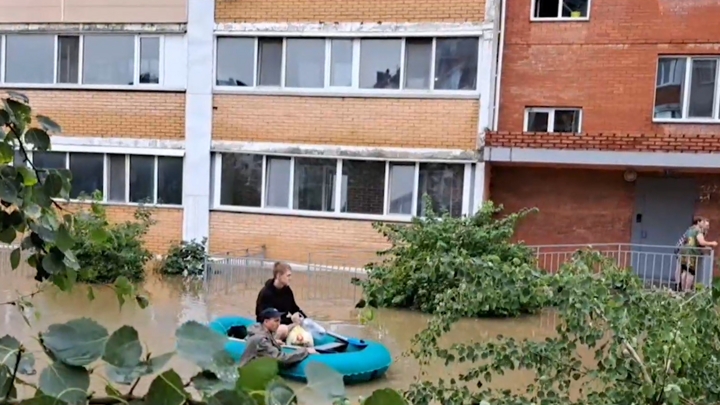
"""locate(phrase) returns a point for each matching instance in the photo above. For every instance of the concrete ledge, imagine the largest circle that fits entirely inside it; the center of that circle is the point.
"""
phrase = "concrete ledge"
(94, 28)
(354, 29)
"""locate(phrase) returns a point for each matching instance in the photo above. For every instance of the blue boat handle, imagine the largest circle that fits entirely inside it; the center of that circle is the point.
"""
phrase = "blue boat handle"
(352, 341)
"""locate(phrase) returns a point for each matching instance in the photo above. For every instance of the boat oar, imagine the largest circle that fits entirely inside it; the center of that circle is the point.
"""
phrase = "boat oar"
(314, 326)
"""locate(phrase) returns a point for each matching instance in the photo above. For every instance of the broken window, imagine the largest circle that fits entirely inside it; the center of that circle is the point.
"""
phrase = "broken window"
(553, 120)
(561, 8)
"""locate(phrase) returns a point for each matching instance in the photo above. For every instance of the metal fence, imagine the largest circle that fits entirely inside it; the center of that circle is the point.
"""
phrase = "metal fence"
(657, 266)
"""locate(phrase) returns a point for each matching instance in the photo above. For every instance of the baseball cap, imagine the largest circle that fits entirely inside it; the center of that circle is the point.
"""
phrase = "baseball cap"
(269, 313)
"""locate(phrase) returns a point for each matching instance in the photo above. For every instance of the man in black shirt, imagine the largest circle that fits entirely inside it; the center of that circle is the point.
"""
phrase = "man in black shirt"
(277, 294)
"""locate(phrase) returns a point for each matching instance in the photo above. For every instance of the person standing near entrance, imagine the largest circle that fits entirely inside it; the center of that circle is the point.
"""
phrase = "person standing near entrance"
(690, 250)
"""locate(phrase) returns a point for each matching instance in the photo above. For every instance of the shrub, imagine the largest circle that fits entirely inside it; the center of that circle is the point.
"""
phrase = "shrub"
(107, 251)
(437, 259)
(187, 259)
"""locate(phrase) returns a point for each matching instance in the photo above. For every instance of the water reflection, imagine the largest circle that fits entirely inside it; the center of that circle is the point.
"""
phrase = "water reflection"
(173, 303)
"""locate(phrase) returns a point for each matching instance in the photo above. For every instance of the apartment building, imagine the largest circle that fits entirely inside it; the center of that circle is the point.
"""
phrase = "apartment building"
(290, 124)
(608, 119)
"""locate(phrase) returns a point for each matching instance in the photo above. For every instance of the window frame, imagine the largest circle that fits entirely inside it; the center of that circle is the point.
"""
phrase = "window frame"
(551, 119)
(106, 180)
(354, 89)
(468, 168)
(686, 84)
(559, 18)
(81, 53)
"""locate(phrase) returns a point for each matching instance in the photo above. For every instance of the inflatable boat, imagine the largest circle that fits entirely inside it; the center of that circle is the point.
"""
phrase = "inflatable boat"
(357, 360)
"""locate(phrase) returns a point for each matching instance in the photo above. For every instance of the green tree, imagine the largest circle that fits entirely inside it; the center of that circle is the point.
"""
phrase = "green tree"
(437, 259)
(650, 347)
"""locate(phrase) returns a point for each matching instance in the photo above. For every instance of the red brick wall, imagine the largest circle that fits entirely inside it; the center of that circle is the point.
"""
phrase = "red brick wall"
(330, 11)
(608, 67)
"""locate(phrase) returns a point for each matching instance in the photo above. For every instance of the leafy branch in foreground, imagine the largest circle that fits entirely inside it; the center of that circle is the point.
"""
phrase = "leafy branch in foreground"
(641, 346)
(75, 348)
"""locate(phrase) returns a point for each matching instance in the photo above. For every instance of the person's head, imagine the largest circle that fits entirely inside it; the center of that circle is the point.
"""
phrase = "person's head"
(270, 318)
(702, 223)
(281, 274)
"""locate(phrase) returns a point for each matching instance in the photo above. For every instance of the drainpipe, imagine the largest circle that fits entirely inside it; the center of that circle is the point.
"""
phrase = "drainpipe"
(500, 19)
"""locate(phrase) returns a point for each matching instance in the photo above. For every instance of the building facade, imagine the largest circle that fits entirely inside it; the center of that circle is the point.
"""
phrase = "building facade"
(608, 119)
(291, 125)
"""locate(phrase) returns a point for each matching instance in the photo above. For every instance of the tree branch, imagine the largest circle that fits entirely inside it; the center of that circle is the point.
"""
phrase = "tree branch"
(633, 353)
(135, 384)
(20, 352)
(23, 297)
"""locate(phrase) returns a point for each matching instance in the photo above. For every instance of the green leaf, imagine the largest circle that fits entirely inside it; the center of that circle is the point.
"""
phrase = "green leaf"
(142, 301)
(385, 396)
(53, 263)
(8, 235)
(53, 184)
(28, 175)
(6, 152)
(63, 240)
(41, 399)
(76, 343)
(231, 397)
(201, 345)
(279, 393)
(48, 124)
(22, 98)
(38, 138)
(15, 257)
(123, 348)
(207, 382)
(325, 382)
(256, 375)
(91, 293)
(112, 391)
(167, 389)
(9, 347)
(6, 382)
(128, 375)
(67, 383)
(99, 235)
(8, 191)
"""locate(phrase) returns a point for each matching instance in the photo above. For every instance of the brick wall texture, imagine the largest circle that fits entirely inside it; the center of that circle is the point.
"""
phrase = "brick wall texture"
(607, 66)
(330, 11)
(413, 123)
(113, 114)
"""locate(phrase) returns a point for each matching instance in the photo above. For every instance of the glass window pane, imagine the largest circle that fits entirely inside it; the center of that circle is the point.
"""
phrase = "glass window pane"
(170, 180)
(278, 182)
(29, 58)
(305, 64)
(149, 60)
(418, 60)
(241, 180)
(456, 63)
(538, 121)
(566, 121)
(575, 8)
(108, 59)
(87, 173)
(68, 70)
(363, 187)
(444, 184)
(235, 61)
(702, 88)
(341, 57)
(49, 160)
(314, 184)
(547, 8)
(380, 63)
(142, 179)
(270, 61)
(116, 178)
(402, 180)
(670, 87)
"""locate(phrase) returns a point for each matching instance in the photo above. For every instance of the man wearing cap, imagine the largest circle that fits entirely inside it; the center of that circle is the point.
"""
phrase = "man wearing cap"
(261, 341)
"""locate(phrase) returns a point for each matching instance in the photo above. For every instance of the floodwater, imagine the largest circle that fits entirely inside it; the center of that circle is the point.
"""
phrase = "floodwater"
(326, 297)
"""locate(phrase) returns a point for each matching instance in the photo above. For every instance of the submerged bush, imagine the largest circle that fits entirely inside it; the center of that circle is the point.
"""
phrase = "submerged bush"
(437, 259)
(187, 259)
(106, 251)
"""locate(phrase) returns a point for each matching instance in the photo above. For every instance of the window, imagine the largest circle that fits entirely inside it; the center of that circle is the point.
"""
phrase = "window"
(339, 187)
(362, 64)
(553, 120)
(686, 88)
(560, 9)
(121, 178)
(93, 59)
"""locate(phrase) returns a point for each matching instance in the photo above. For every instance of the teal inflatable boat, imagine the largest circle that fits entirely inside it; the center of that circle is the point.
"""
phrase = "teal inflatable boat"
(357, 360)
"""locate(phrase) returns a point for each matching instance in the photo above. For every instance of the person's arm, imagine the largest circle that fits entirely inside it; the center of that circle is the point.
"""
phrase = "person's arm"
(266, 348)
(704, 243)
(294, 305)
(263, 302)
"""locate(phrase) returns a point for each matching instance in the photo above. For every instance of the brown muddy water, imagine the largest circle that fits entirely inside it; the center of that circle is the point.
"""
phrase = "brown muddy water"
(325, 296)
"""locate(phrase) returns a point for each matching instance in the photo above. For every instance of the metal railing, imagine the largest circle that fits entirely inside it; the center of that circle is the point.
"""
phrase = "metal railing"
(657, 266)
